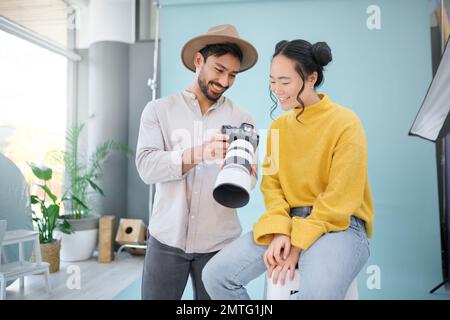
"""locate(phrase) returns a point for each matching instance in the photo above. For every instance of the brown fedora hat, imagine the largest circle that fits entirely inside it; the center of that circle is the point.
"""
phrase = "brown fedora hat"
(219, 34)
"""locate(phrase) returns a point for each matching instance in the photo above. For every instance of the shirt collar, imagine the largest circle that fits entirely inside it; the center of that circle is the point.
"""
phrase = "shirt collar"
(193, 99)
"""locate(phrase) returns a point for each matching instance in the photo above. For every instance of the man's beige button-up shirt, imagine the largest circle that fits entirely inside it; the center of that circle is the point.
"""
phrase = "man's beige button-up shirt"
(185, 214)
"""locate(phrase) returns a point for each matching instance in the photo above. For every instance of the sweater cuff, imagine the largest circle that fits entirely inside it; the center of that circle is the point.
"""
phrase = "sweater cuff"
(264, 229)
(304, 233)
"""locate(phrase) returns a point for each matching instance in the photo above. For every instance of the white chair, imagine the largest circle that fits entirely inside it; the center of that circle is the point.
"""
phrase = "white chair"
(279, 292)
(19, 269)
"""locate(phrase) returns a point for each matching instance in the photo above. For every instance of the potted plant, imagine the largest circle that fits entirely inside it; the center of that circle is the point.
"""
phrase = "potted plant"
(82, 182)
(46, 219)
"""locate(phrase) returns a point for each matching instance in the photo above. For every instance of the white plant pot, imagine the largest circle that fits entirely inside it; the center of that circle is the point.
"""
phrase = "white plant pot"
(80, 244)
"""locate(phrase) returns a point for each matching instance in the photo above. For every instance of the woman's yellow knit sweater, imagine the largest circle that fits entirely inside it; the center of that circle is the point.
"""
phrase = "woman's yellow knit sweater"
(321, 162)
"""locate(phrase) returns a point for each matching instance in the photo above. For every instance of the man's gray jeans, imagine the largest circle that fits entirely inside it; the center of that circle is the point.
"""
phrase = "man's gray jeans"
(166, 271)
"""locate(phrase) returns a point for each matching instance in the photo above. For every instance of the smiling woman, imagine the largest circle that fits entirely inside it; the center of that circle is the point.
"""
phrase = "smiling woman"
(32, 104)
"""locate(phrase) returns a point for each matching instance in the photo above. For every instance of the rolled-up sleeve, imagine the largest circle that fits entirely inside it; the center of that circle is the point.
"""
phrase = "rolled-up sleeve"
(155, 164)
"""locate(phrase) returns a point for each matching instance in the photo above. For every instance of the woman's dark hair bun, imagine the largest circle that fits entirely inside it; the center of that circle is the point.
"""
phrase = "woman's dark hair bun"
(280, 45)
(321, 53)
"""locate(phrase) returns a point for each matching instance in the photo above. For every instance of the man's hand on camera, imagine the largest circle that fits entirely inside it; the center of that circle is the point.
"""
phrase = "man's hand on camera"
(213, 149)
(216, 147)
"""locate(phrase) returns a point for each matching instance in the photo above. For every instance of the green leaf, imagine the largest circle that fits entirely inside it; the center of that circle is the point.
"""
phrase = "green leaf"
(35, 199)
(38, 223)
(41, 172)
(81, 203)
(95, 187)
(47, 191)
(65, 227)
(53, 214)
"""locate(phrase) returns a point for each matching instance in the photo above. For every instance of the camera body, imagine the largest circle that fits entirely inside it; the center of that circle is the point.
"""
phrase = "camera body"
(245, 132)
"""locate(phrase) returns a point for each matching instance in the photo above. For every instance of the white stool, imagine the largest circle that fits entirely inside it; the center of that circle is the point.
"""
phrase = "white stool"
(279, 292)
(21, 268)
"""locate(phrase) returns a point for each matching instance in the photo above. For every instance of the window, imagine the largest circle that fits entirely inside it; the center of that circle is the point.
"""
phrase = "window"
(33, 106)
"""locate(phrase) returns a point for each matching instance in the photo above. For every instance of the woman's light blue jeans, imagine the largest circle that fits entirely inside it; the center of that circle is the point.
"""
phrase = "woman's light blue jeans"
(326, 269)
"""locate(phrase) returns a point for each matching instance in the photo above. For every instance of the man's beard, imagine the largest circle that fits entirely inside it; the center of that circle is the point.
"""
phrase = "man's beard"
(204, 89)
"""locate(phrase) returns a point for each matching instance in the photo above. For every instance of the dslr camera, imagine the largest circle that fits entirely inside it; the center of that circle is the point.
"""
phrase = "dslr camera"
(233, 183)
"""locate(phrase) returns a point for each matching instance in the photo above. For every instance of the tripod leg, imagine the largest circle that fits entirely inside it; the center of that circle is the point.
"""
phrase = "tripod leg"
(440, 285)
